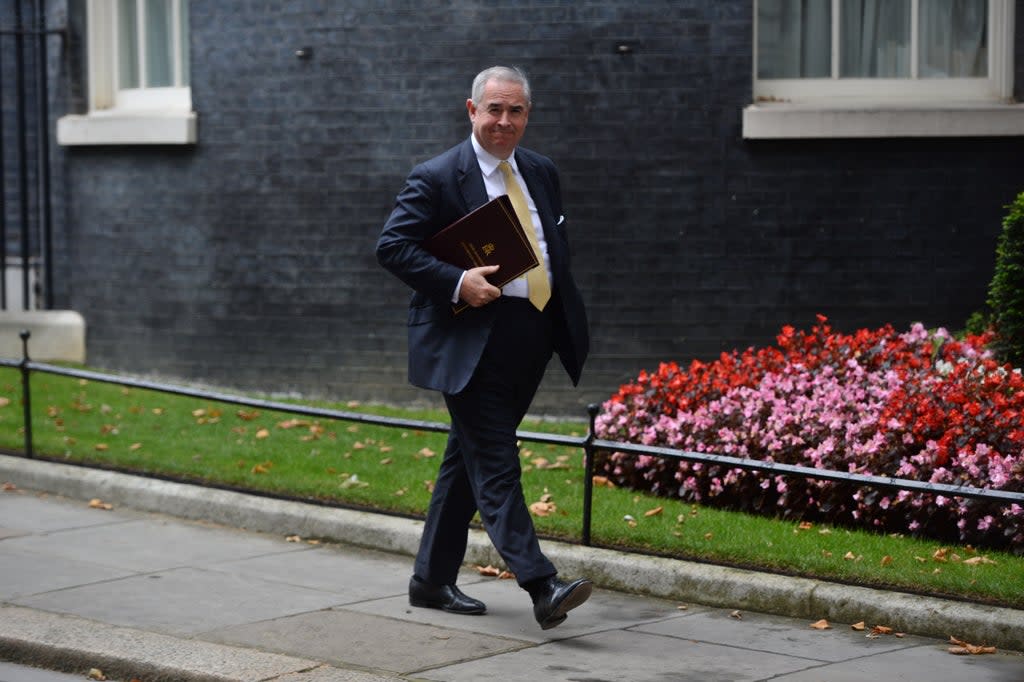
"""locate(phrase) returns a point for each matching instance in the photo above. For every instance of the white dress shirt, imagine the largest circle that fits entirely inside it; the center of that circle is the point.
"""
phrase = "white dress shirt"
(494, 182)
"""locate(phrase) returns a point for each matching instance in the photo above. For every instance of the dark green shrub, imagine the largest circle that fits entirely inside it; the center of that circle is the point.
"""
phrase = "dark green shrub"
(1006, 291)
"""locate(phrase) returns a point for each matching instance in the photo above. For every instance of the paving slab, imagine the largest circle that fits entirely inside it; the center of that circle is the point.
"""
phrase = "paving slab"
(764, 632)
(181, 601)
(25, 573)
(27, 513)
(348, 638)
(929, 662)
(151, 544)
(510, 612)
(625, 655)
(351, 573)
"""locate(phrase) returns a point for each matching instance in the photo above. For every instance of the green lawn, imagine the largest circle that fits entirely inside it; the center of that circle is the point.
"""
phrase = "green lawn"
(359, 464)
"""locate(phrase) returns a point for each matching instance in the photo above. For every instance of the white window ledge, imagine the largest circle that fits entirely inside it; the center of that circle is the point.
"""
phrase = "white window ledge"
(774, 120)
(128, 127)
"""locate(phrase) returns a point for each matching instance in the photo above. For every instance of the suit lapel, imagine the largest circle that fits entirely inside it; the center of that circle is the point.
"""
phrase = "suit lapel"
(471, 180)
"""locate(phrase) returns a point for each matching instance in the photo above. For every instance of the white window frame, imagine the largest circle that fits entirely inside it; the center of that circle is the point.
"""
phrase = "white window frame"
(881, 107)
(160, 115)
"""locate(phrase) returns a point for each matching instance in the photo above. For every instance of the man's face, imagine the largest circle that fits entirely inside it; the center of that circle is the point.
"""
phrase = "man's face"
(500, 119)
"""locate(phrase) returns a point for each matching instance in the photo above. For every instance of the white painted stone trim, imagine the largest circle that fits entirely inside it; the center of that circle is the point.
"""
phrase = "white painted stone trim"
(123, 127)
(776, 120)
(55, 335)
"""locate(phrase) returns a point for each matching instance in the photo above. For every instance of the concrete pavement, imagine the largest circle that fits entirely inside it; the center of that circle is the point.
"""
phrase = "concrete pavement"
(183, 583)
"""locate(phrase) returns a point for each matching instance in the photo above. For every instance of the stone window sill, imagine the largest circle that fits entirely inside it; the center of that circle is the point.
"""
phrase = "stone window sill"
(131, 128)
(789, 120)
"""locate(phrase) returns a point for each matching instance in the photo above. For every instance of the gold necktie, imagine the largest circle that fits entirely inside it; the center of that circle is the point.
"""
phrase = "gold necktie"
(538, 287)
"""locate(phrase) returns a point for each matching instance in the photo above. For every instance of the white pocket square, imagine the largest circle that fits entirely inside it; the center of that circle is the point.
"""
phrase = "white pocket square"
(561, 219)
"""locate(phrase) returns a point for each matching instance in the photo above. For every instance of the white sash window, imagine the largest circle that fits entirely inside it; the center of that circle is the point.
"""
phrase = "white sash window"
(936, 60)
(138, 75)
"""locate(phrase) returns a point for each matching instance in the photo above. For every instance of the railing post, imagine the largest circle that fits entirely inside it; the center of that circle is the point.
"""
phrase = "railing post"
(26, 392)
(588, 473)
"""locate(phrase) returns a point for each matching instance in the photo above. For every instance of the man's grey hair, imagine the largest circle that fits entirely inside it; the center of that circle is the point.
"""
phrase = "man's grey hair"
(510, 74)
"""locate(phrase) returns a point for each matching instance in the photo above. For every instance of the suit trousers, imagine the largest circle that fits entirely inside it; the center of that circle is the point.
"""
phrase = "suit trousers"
(481, 470)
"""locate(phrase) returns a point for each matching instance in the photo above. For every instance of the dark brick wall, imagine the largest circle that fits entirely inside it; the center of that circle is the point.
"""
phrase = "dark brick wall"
(247, 260)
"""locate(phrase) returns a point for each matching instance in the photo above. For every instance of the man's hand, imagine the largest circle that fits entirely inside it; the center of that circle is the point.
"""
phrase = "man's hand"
(477, 291)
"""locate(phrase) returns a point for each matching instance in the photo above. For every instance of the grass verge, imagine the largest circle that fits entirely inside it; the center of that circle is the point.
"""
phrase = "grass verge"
(392, 469)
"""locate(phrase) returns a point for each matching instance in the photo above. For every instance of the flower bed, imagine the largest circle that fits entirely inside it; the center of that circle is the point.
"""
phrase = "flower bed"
(918, 405)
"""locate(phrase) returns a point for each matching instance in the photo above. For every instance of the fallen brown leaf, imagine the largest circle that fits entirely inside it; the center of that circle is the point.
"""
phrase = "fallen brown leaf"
(858, 626)
(886, 560)
(542, 508)
(975, 561)
(488, 570)
(10, 487)
(427, 452)
(263, 433)
(654, 512)
(96, 674)
(962, 648)
(506, 575)
(821, 625)
(602, 482)
(247, 415)
(97, 503)
(737, 615)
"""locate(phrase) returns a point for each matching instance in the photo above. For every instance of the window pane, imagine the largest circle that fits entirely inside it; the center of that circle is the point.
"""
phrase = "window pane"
(874, 39)
(954, 39)
(794, 39)
(184, 44)
(159, 50)
(127, 45)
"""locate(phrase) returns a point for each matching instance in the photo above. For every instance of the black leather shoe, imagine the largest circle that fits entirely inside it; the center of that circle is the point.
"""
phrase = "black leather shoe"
(554, 599)
(445, 597)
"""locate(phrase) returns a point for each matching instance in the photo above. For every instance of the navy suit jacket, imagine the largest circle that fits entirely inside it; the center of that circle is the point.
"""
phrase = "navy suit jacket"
(444, 348)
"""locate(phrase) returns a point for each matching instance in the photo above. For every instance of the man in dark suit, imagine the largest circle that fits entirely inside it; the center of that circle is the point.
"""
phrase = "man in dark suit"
(488, 360)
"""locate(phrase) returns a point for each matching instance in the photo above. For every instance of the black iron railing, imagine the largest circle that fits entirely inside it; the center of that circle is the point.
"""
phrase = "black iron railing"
(590, 444)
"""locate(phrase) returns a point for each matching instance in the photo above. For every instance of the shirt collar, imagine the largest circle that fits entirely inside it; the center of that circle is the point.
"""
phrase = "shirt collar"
(489, 162)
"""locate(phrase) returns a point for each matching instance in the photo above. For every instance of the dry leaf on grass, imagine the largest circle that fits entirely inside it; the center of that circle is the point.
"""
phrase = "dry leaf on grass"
(654, 512)
(542, 508)
(602, 482)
